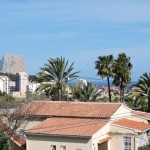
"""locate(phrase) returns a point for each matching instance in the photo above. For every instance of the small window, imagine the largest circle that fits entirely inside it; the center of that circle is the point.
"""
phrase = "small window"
(63, 148)
(53, 147)
(127, 142)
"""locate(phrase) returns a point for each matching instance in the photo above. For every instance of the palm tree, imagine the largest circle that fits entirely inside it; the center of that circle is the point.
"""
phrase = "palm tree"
(54, 75)
(135, 101)
(144, 87)
(86, 93)
(104, 67)
(122, 73)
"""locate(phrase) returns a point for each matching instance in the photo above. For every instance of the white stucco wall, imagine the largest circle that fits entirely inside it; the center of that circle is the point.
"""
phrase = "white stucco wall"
(122, 112)
(44, 143)
(138, 118)
(142, 139)
(118, 133)
(99, 135)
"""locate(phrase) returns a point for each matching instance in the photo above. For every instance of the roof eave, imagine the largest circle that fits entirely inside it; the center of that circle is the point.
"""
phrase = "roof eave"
(58, 135)
(136, 130)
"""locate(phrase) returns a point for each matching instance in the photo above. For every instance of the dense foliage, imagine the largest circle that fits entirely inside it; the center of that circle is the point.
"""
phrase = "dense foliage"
(144, 88)
(105, 69)
(122, 73)
(3, 141)
(87, 92)
(11, 76)
(54, 77)
(119, 69)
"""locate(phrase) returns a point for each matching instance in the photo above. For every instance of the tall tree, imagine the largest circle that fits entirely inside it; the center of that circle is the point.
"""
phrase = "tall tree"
(87, 93)
(104, 66)
(144, 87)
(122, 73)
(54, 75)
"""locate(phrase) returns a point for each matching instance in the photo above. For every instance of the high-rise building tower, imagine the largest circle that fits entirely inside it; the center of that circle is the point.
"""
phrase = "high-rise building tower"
(21, 82)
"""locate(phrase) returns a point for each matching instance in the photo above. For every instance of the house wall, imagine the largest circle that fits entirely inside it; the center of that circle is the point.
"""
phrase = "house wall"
(143, 139)
(44, 143)
(140, 119)
(122, 112)
(117, 133)
(99, 135)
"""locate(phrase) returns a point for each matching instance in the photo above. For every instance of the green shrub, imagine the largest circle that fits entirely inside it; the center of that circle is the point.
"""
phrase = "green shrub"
(3, 141)
(147, 147)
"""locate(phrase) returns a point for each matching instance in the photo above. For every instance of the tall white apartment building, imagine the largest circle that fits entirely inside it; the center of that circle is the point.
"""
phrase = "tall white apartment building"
(21, 82)
(81, 82)
(4, 81)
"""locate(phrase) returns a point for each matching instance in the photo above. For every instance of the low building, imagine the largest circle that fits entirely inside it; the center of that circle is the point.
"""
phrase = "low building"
(32, 87)
(84, 126)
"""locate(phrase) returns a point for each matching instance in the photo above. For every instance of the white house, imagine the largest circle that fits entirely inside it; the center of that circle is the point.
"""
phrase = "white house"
(84, 126)
(32, 86)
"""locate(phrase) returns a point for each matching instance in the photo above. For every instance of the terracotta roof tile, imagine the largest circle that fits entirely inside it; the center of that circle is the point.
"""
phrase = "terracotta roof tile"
(105, 139)
(18, 140)
(132, 124)
(141, 114)
(67, 127)
(72, 109)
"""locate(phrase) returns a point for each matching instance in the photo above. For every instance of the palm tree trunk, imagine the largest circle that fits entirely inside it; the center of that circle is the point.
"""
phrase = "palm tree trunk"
(109, 88)
(123, 95)
(59, 94)
(120, 96)
(148, 104)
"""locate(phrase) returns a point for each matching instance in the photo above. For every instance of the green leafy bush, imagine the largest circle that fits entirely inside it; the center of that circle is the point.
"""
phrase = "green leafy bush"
(147, 147)
(3, 141)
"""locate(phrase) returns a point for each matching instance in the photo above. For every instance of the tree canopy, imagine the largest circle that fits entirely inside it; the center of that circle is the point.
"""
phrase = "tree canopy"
(122, 73)
(105, 69)
(54, 75)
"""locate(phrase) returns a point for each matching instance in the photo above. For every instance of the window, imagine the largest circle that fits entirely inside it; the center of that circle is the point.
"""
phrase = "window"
(53, 147)
(127, 142)
(63, 148)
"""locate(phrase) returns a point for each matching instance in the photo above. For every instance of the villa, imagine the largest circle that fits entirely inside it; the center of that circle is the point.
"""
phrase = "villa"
(62, 125)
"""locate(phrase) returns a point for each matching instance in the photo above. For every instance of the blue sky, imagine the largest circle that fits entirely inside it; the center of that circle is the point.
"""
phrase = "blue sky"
(78, 30)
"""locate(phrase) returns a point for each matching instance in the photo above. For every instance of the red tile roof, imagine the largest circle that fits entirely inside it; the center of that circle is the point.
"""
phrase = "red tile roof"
(141, 114)
(105, 139)
(67, 127)
(72, 109)
(132, 124)
(18, 140)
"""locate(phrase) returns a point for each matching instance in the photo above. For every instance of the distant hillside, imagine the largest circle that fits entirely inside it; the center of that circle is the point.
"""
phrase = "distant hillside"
(12, 77)
(9, 75)
(11, 63)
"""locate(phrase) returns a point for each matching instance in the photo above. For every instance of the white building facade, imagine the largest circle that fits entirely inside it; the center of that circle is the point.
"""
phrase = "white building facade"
(4, 80)
(81, 82)
(32, 87)
(21, 82)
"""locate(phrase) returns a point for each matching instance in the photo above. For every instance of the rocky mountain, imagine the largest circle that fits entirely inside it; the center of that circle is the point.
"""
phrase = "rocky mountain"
(11, 63)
